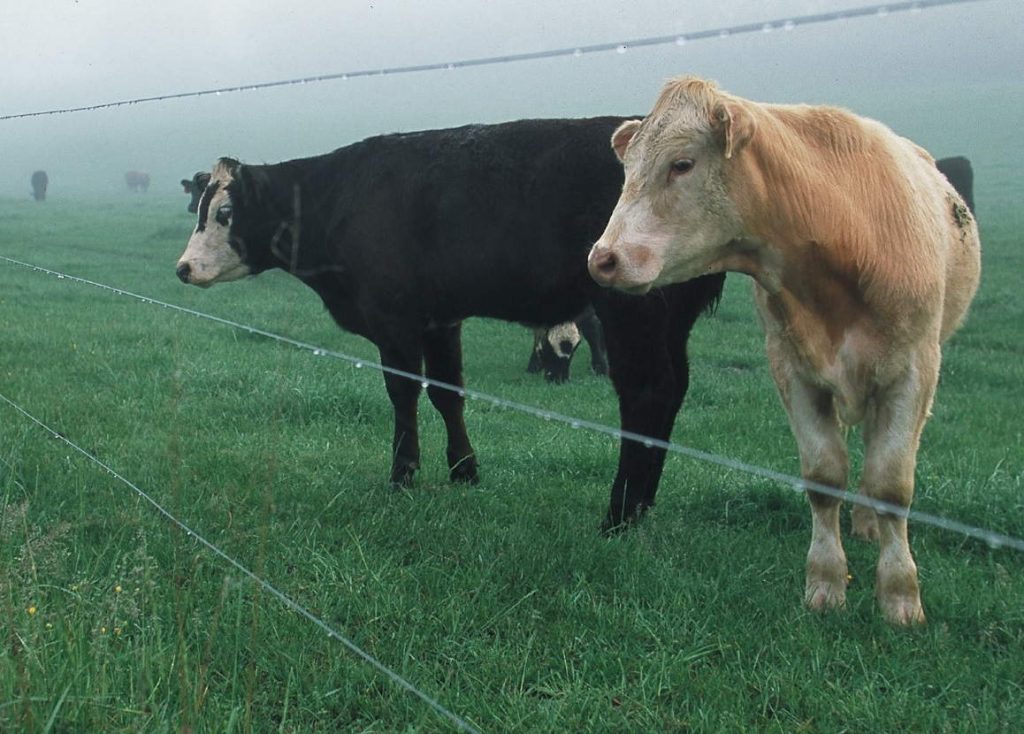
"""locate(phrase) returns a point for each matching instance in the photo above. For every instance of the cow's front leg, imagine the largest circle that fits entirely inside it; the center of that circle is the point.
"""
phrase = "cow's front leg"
(823, 460)
(404, 393)
(892, 432)
(650, 394)
(442, 353)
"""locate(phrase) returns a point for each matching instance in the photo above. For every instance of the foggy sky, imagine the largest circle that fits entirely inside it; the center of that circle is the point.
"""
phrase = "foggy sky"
(62, 53)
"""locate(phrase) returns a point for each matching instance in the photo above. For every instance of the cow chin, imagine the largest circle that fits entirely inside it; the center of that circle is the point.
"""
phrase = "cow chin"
(206, 278)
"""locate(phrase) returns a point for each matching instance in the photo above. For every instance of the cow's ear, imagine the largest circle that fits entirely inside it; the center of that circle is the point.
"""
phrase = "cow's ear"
(737, 126)
(622, 135)
(187, 185)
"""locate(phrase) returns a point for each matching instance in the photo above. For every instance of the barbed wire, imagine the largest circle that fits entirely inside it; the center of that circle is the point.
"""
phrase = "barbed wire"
(785, 23)
(333, 634)
(993, 539)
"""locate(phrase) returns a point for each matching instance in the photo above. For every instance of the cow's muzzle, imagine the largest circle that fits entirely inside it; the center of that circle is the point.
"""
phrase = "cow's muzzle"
(184, 272)
(603, 265)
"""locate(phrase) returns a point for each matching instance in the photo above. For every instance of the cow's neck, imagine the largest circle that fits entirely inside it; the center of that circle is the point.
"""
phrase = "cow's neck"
(792, 245)
(795, 214)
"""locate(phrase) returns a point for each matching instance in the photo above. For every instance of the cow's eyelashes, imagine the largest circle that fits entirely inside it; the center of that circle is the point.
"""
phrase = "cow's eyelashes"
(224, 215)
(681, 166)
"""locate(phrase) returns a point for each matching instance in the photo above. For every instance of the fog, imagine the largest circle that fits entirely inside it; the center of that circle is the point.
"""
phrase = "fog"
(936, 75)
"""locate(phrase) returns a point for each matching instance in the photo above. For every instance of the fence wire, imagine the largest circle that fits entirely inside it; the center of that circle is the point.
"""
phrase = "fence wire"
(785, 23)
(993, 539)
(263, 584)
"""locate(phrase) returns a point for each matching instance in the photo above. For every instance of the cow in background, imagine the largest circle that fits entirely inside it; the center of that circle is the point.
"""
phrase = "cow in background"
(404, 236)
(195, 187)
(865, 260)
(39, 183)
(137, 181)
(553, 348)
(960, 174)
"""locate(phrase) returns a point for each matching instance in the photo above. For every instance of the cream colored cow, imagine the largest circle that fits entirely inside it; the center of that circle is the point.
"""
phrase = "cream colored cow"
(864, 260)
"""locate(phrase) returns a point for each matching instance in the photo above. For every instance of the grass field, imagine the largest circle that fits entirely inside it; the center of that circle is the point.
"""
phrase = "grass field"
(500, 600)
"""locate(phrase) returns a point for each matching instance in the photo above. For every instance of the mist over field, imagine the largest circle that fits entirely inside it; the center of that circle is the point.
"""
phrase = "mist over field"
(948, 77)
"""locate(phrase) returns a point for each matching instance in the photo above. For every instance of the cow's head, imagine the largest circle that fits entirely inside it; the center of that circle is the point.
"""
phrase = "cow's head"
(555, 350)
(195, 186)
(216, 251)
(675, 214)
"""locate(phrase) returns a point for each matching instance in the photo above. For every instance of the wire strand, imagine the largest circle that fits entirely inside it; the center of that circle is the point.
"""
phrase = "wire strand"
(992, 538)
(260, 582)
(786, 23)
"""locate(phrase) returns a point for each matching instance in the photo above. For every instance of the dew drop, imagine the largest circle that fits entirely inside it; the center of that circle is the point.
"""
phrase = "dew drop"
(577, 53)
(681, 40)
(621, 49)
(788, 25)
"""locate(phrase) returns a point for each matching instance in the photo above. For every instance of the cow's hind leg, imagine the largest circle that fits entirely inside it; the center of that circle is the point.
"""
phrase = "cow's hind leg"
(823, 460)
(442, 352)
(892, 432)
(404, 392)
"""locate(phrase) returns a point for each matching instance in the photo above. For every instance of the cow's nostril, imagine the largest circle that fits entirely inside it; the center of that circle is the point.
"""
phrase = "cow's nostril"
(184, 271)
(604, 263)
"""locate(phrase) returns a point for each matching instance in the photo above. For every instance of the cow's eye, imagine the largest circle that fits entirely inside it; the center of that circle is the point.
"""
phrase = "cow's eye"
(224, 215)
(682, 166)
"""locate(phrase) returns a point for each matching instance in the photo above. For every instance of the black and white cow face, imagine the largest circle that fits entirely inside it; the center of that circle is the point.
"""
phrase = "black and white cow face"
(213, 255)
(195, 188)
(556, 348)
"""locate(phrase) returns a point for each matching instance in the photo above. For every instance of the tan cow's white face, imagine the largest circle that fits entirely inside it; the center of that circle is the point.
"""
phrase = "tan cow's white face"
(674, 215)
(209, 256)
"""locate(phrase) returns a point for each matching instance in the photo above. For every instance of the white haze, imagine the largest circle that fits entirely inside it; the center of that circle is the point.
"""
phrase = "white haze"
(60, 53)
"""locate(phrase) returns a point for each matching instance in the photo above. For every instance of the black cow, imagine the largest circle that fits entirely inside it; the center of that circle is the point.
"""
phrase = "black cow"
(137, 181)
(195, 187)
(39, 183)
(960, 174)
(403, 236)
(553, 348)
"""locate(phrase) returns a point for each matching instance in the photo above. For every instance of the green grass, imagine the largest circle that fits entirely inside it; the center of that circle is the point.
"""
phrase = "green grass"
(500, 600)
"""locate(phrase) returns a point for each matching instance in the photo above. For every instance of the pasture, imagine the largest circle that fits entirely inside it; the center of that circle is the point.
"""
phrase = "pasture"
(500, 600)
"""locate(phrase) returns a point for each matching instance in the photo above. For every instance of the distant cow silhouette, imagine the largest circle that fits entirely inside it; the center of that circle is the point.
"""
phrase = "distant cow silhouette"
(960, 174)
(137, 181)
(39, 183)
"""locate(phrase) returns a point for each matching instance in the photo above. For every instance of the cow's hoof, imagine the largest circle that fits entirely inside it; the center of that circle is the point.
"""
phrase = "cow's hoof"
(902, 611)
(465, 471)
(612, 525)
(401, 477)
(821, 596)
(864, 522)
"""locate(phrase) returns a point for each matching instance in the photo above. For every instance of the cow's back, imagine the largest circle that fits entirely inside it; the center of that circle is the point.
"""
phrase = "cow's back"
(491, 220)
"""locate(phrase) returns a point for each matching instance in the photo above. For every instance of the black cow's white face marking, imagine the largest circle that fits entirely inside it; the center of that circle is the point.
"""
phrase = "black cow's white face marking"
(209, 257)
(563, 339)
